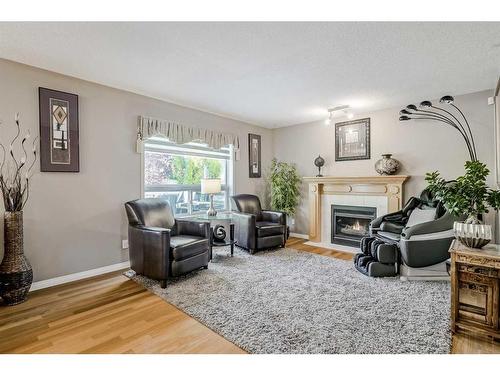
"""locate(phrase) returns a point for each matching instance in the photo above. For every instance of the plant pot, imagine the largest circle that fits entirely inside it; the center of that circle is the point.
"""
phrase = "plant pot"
(387, 165)
(16, 274)
(472, 234)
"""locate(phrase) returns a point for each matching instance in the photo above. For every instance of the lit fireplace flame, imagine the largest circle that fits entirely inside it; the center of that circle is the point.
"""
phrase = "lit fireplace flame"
(357, 226)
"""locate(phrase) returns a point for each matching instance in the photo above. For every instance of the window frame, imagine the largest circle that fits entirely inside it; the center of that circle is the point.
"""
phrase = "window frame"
(158, 144)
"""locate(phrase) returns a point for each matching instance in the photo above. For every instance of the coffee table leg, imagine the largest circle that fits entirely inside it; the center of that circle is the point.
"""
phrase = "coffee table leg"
(211, 241)
(231, 237)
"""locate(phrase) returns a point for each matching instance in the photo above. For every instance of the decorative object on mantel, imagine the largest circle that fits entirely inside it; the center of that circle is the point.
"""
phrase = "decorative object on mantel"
(387, 165)
(319, 162)
(254, 156)
(16, 274)
(468, 197)
(59, 133)
(352, 140)
(285, 187)
(151, 127)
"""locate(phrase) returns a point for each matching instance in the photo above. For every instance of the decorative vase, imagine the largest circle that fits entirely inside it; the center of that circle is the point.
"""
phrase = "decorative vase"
(472, 233)
(16, 274)
(319, 162)
(387, 165)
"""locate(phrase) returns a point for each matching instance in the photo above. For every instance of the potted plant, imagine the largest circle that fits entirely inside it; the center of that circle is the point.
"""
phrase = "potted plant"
(285, 187)
(16, 274)
(468, 197)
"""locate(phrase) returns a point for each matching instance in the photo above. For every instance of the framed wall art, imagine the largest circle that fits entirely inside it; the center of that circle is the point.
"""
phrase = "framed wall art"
(254, 155)
(352, 140)
(59, 133)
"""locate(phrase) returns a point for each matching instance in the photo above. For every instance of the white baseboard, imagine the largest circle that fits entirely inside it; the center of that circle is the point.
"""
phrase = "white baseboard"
(299, 235)
(331, 246)
(78, 276)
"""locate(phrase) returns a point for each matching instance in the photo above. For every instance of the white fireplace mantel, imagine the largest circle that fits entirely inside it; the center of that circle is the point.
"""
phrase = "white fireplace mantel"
(388, 186)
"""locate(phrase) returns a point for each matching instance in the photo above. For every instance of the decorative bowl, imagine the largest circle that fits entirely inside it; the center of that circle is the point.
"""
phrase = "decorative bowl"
(472, 235)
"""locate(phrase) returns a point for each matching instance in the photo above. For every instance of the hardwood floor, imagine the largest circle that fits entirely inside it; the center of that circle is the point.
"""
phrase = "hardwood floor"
(111, 314)
(106, 314)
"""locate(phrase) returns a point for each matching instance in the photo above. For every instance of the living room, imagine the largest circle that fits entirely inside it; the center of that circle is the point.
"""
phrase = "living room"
(250, 187)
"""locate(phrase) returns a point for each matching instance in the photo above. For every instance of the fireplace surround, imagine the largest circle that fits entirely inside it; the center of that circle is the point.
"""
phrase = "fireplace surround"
(350, 223)
(328, 188)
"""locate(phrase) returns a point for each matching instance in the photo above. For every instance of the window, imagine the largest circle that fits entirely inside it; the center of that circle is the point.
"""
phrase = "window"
(174, 172)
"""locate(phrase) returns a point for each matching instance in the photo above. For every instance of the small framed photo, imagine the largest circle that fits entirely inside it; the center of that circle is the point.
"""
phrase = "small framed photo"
(254, 155)
(352, 140)
(59, 133)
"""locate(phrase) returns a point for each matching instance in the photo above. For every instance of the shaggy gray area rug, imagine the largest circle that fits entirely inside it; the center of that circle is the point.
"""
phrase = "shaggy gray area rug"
(289, 301)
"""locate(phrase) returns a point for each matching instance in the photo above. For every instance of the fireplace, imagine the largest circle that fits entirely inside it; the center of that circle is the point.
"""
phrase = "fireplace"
(351, 223)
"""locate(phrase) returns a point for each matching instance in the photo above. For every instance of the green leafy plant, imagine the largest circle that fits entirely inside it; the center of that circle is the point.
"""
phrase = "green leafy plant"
(189, 171)
(468, 195)
(285, 187)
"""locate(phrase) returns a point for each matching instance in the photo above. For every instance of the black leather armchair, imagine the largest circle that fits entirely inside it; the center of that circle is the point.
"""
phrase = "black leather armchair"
(161, 246)
(256, 229)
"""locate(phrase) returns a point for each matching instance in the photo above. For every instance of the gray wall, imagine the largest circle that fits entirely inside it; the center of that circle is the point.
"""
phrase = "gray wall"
(76, 221)
(420, 146)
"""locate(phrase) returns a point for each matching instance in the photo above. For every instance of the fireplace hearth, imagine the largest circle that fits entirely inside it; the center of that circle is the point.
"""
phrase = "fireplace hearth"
(351, 223)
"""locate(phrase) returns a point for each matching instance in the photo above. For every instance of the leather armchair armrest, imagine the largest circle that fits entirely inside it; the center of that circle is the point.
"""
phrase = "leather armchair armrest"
(442, 224)
(149, 249)
(193, 228)
(245, 231)
(274, 216)
(247, 219)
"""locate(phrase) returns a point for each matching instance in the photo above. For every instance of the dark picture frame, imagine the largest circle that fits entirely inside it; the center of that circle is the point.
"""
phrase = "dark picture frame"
(254, 155)
(59, 131)
(352, 140)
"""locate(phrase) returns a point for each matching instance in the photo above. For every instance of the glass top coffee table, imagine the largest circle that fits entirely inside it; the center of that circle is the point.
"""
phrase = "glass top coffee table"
(217, 232)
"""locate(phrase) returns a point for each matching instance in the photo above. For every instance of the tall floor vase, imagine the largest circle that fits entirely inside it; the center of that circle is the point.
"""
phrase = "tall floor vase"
(16, 274)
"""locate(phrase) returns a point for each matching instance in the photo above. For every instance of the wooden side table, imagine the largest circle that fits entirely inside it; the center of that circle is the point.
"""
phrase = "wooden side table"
(475, 290)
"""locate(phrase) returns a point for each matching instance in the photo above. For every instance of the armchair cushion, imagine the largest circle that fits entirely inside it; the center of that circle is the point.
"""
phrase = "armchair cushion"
(265, 228)
(182, 247)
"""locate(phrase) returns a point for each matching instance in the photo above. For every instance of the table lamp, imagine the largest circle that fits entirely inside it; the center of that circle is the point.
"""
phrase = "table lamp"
(211, 187)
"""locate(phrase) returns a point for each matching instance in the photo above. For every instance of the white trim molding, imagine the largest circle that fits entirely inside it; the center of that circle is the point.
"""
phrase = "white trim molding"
(299, 235)
(78, 276)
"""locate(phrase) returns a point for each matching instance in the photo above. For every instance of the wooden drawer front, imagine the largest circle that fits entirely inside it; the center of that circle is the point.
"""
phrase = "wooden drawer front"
(480, 261)
(478, 270)
(478, 299)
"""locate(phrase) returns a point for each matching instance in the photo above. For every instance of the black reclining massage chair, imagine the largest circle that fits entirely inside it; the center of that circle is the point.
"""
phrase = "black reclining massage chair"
(415, 251)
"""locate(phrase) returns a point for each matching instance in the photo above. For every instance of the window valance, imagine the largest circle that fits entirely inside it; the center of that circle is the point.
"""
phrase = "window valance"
(151, 127)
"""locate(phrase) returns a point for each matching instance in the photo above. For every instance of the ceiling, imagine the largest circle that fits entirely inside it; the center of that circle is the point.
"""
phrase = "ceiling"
(268, 74)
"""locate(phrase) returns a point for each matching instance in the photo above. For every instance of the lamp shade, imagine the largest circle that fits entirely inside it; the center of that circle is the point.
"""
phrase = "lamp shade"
(210, 186)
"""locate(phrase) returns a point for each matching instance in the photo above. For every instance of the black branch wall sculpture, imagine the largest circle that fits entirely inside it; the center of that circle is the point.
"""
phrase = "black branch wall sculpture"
(428, 111)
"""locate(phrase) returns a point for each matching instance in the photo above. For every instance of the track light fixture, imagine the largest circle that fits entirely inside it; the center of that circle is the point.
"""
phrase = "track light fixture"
(343, 108)
(433, 113)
